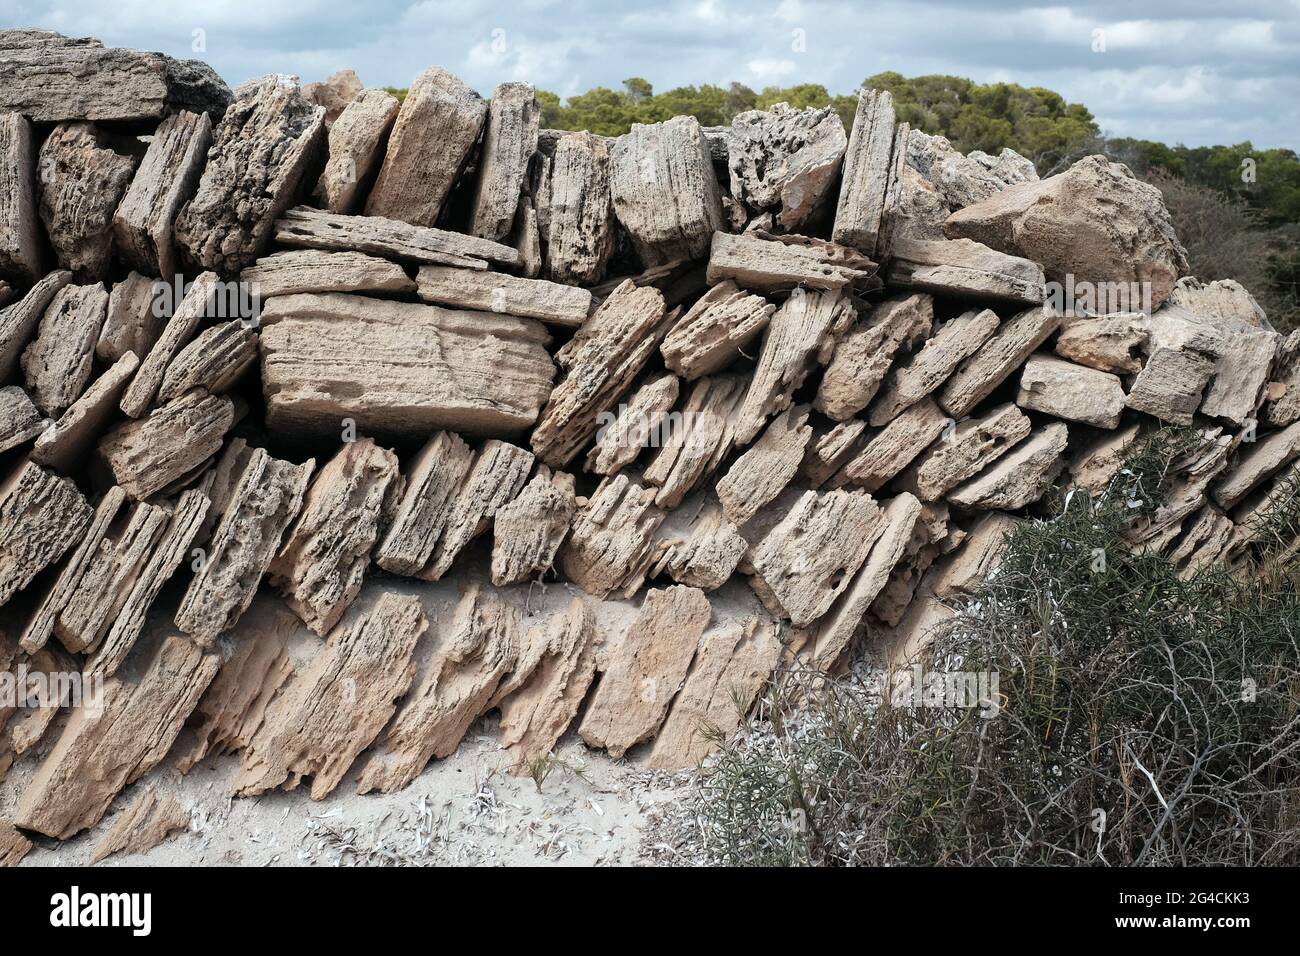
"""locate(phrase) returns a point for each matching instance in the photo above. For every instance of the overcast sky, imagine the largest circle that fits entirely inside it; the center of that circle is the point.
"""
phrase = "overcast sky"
(1196, 71)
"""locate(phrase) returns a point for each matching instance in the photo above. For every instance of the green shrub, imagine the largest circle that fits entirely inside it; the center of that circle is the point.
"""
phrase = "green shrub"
(1142, 719)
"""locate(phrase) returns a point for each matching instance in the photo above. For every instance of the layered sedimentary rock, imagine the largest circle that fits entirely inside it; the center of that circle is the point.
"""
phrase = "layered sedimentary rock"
(645, 362)
(534, 717)
(963, 268)
(1004, 352)
(576, 217)
(800, 334)
(721, 326)
(304, 227)
(166, 179)
(1095, 222)
(169, 443)
(82, 181)
(99, 753)
(416, 524)
(41, 516)
(137, 314)
(436, 128)
(176, 334)
(701, 442)
(886, 540)
(59, 361)
(65, 445)
(509, 141)
(336, 706)
(20, 241)
(888, 451)
(1171, 385)
(640, 422)
(865, 354)
(766, 263)
(245, 542)
(601, 360)
(528, 530)
(260, 152)
(964, 452)
(860, 215)
(612, 539)
(52, 78)
(20, 421)
(326, 552)
(1073, 392)
(149, 821)
(913, 379)
(664, 191)
(809, 555)
(645, 670)
(213, 361)
(763, 471)
(356, 147)
(509, 295)
(1020, 476)
(478, 647)
(19, 321)
(396, 366)
(314, 270)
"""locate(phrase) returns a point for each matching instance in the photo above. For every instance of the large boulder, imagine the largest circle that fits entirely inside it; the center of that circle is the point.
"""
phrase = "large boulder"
(1095, 222)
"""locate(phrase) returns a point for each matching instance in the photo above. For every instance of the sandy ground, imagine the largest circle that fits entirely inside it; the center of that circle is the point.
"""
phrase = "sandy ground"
(588, 810)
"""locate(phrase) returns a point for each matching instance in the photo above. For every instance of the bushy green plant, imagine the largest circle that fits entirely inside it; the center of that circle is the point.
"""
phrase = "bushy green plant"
(1142, 719)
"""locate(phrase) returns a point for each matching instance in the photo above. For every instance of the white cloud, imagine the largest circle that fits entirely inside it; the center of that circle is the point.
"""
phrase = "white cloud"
(1199, 70)
(769, 69)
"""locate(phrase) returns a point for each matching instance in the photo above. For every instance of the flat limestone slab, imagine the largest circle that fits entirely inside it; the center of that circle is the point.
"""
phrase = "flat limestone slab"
(309, 228)
(51, 78)
(963, 268)
(1073, 392)
(314, 270)
(1020, 476)
(481, 291)
(395, 368)
(766, 263)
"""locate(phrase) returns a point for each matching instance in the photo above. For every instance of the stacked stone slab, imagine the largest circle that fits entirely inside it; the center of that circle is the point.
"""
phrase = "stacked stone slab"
(813, 373)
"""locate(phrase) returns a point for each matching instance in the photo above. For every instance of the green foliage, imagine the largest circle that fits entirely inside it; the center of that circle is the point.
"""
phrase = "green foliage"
(1142, 719)
(1225, 239)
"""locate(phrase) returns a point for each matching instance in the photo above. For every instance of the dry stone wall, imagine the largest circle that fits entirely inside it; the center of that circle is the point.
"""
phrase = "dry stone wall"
(270, 358)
